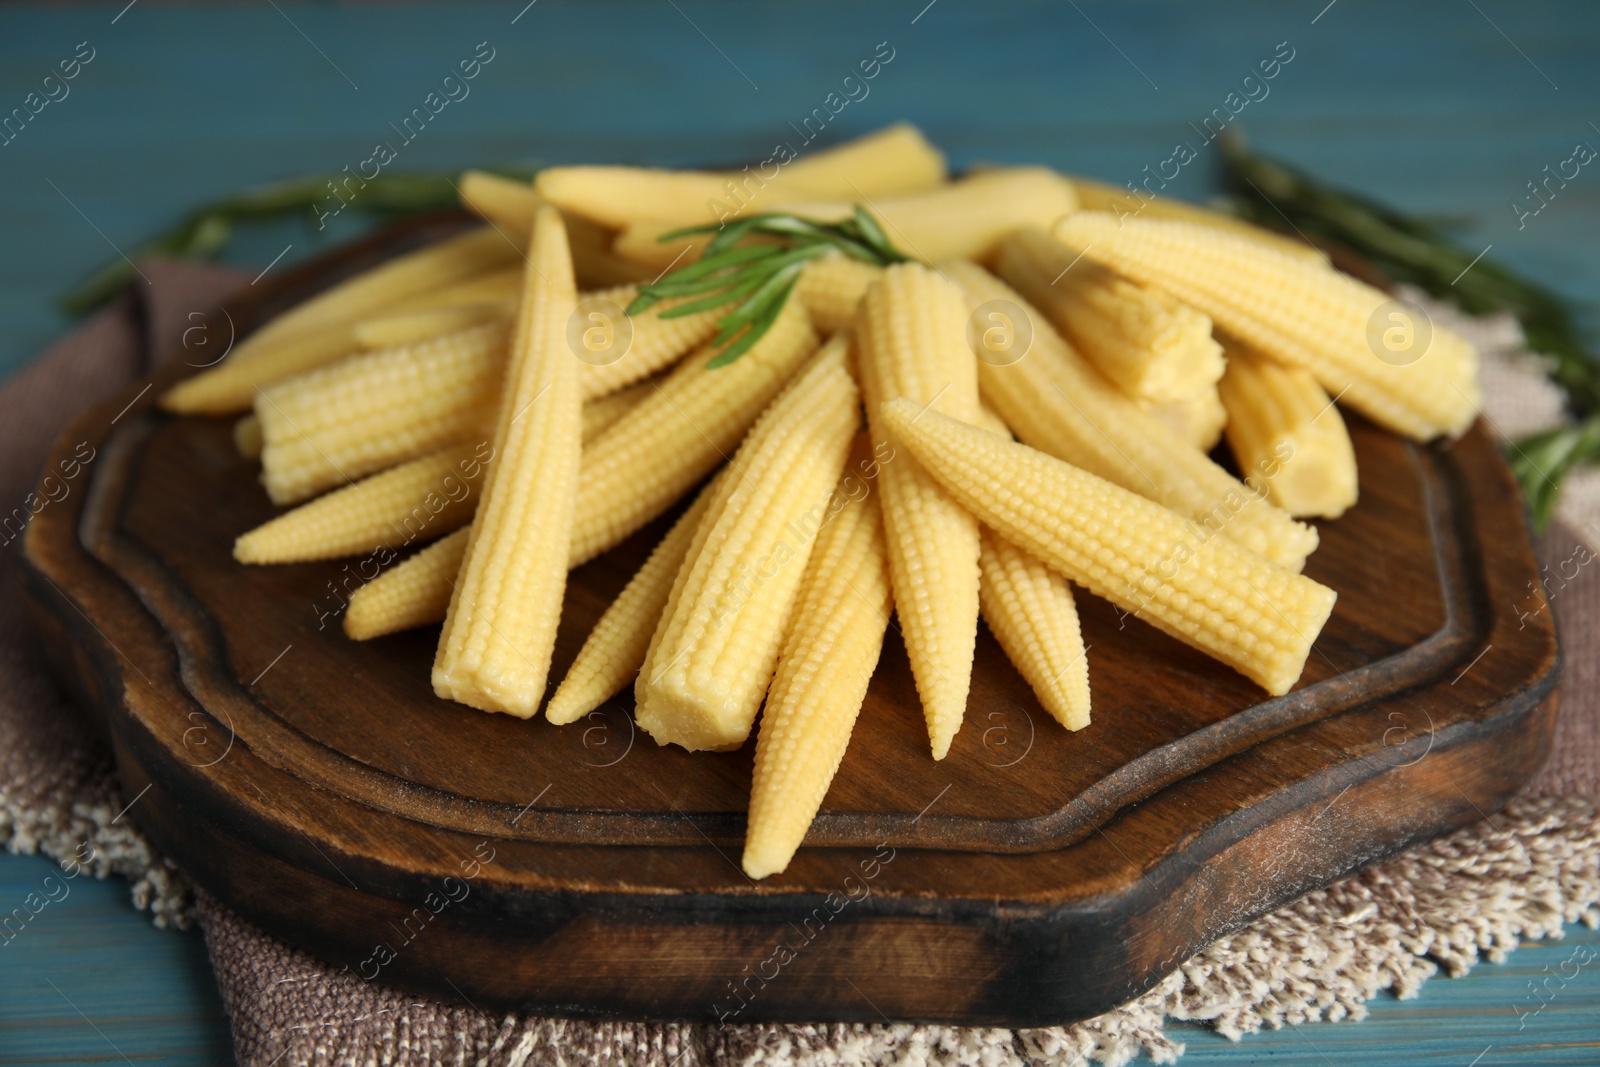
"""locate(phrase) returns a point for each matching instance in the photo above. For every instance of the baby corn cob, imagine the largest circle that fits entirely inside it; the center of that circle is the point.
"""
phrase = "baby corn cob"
(967, 219)
(318, 331)
(600, 415)
(415, 593)
(420, 500)
(500, 632)
(830, 288)
(415, 327)
(1122, 203)
(680, 433)
(1032, 614)
(828, 657)
(1285, 431)
(1298, 313)
(657, 342)
(1197, 421)
(615, 648)
(717, 643)
(492, 286)
(1151, 345)
(912, 337)
(641, 242)
(896, 160)
(368, 413)
(247, 437)
(1056, 402)
(509, 205)
(1255, 616)
(506, 202)
(455, 307)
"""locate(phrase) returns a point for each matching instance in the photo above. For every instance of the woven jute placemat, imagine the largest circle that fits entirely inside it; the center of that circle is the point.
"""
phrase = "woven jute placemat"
(1476, 894)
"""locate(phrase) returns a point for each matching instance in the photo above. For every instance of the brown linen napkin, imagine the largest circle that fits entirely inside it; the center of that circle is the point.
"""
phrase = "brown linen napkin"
(1475, 893)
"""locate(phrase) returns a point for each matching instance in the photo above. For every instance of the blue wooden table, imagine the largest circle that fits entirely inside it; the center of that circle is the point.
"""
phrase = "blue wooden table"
(1446, 108)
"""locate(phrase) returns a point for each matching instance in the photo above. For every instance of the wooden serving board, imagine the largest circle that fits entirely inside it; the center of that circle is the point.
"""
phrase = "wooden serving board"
(1033, 877)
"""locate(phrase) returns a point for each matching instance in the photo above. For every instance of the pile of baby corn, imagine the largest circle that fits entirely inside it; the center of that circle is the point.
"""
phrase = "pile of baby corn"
(1024, 408)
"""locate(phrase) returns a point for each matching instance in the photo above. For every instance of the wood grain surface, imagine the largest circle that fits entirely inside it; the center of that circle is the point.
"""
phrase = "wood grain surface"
(1032, 877)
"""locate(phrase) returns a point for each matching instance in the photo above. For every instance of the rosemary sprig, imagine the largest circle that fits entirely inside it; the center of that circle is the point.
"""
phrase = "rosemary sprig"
(758, 278)
(204, 232)
(1408, 249)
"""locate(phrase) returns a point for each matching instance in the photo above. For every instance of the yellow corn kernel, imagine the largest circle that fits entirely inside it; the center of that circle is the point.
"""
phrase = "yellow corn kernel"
(415, 593)
(830, 289)
(615, 648)
(1287, 435)
(1198, 420)
(340, 423)
(318, 331)
(967, 219)
(680, 433)
(828, 657)
(717, 643)
(1256, 617)
(1301, 314)
(1031, 612)
(415, 327)
(911, 333)
(1124, 203)
(1056, 402)
(656, 342)
(600, 415)
(247, 437)
(895, 160)
(500, 632)
(420, 500)
(1151, 345)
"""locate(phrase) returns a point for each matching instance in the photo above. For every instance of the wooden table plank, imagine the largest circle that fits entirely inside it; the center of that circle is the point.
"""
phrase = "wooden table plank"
(90, 980)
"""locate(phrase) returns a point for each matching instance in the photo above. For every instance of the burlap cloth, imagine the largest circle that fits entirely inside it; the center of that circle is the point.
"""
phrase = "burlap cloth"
(1474, 894)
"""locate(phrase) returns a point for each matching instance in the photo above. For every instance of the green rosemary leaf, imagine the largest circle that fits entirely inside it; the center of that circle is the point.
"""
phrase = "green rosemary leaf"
(1542, 462)
(731, 235)
(798, 228)
(755, 331)
(759, 276)
(711, 265)
(717, 299)
(874, 235)
(753, 307)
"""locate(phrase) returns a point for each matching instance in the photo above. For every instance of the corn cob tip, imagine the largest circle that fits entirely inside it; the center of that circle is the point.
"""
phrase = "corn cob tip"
(565, 707)
(247, 548)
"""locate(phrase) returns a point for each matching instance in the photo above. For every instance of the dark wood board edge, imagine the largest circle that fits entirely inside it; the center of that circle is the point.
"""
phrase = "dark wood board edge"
(1101, 951)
